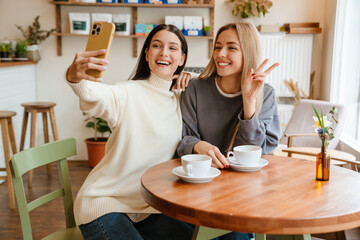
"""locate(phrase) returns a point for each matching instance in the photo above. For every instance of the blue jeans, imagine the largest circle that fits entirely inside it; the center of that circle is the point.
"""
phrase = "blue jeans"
(118, 226)
(155, 227)
(235, 236)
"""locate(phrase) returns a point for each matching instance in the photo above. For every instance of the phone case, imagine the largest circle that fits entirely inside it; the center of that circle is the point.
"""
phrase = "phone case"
(100, 37)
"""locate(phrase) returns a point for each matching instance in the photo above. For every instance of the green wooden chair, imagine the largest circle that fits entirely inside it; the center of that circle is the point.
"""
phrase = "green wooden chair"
(29, 159)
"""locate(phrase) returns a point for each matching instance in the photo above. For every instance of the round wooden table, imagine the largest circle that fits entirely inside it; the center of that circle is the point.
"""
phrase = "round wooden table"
(282, 198)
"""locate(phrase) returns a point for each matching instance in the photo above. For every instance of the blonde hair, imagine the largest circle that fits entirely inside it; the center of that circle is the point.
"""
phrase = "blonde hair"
(251, 50)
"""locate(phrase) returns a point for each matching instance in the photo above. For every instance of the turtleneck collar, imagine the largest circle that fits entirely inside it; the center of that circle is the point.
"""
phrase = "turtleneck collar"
(159, 82)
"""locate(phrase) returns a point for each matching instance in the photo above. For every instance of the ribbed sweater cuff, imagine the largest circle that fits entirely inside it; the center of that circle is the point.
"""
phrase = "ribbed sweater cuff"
(82, 89)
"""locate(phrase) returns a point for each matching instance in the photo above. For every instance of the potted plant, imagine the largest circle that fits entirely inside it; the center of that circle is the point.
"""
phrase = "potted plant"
(247, 8)
(96, 145)
(5, 51)
(21, 50)
(34, 36)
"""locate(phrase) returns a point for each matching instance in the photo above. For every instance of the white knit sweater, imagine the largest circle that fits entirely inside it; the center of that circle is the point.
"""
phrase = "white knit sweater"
(145, 120)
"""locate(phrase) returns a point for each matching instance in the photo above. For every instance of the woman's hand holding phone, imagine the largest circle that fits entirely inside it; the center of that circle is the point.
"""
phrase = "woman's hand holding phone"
(91, 64)
(84, 61)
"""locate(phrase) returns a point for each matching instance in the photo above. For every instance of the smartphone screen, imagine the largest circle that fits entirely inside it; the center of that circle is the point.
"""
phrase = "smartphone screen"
(100, 37)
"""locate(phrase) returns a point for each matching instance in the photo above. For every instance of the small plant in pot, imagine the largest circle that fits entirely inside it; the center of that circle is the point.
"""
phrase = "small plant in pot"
(21, 50)
(5, 51)
(34, 35)
(96, 145)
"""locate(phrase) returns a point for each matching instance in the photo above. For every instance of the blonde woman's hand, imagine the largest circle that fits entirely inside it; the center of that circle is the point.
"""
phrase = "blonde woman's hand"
(218, 159)
(252, 85)
(255, 80)
(182, 80)
(84, 61)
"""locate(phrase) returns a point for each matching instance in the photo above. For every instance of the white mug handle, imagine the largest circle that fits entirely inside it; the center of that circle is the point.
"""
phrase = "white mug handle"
(228, 154)
(189, 170)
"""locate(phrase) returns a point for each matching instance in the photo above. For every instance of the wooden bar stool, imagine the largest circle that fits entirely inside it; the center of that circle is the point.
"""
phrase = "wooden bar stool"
(33, 108)
(7, 132)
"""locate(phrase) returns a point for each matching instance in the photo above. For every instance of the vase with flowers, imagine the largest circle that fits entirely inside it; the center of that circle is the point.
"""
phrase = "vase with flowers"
(323, 127)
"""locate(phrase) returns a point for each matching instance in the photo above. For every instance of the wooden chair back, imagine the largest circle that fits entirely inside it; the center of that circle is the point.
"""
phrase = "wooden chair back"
(31, 158)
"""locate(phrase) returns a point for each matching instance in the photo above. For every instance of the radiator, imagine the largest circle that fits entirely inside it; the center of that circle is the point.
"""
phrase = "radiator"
(293, 52)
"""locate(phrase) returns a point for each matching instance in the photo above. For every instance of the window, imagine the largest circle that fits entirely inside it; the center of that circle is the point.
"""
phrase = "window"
(345, 87)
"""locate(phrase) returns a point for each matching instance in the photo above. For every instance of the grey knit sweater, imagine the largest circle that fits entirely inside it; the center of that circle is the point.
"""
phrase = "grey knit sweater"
(210, 116)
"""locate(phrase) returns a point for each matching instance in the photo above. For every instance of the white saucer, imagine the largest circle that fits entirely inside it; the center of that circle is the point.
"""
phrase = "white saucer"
(237, 167)
(213, 173)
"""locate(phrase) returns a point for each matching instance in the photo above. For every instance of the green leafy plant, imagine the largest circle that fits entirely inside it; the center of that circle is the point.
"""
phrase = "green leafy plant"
(323, 125)
(6, 47)
(99, 125)
(21, 48)
(247, 8)
(34, 35)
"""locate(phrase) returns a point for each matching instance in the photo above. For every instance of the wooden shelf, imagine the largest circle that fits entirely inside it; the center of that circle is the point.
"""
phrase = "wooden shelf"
(210, 4)
(143, 5)
(125, 36)
(12, 64)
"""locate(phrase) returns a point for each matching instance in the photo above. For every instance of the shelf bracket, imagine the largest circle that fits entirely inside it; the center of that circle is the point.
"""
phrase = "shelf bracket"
(58, 27)
(211, 41)
(135, 40)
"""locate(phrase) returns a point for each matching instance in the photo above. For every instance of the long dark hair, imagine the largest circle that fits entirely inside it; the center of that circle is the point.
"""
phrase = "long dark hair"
(142, 69)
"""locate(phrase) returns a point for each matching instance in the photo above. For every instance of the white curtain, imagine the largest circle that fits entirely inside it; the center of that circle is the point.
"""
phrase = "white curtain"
(345, 87)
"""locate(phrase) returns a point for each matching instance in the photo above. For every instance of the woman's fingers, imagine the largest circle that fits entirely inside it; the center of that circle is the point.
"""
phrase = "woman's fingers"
(182, 80)
(267, 71)
(93, 66)
(94, 53)
(187, 80)
(218, 160)
(100, 61)
(215, 160)
(221, 158)
(262, 65)
(275, 65)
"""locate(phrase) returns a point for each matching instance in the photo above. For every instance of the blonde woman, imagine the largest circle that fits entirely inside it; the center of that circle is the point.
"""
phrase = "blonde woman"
(229, 104)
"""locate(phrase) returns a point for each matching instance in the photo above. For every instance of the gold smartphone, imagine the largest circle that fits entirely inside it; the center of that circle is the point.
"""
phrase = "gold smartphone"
(100, 37)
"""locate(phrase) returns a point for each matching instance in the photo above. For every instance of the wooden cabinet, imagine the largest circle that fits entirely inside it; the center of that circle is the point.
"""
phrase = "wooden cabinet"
(210, 4)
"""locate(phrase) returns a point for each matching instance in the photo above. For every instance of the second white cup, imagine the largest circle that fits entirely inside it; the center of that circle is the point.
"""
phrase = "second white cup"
(196, 165)
(246, 155)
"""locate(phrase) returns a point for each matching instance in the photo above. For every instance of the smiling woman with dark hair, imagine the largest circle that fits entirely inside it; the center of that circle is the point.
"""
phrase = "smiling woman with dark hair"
(146, 124)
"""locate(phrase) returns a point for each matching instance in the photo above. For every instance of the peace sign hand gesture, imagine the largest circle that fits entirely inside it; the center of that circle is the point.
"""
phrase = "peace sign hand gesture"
(255, 80)
(252, 85)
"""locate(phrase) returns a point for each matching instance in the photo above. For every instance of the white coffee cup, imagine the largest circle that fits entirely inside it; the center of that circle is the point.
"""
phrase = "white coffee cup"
(246, 155)
(196, 165)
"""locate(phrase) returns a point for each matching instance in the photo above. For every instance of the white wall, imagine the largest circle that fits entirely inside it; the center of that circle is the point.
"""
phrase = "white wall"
(51, 69)
(328, 43)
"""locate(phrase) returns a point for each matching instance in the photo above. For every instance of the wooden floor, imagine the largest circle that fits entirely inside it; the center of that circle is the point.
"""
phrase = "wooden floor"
(50, 217)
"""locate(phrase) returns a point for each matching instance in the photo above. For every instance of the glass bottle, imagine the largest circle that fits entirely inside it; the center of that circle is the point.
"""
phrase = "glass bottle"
(323, 165)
